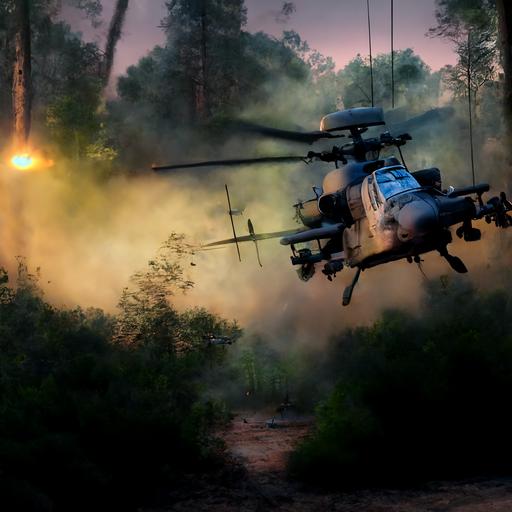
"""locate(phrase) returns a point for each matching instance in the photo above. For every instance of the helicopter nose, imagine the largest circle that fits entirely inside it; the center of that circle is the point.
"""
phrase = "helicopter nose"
(416, 219)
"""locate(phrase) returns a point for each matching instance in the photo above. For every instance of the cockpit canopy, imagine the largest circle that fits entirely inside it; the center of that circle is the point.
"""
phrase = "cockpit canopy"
(394, 180)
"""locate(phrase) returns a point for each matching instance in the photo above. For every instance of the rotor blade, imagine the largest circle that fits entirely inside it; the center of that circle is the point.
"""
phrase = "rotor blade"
(290, 135)
(251, 227)
(241, 161)
(218, 248)
(425, 120)
(233, 224)
(258, 253)
(254, 237)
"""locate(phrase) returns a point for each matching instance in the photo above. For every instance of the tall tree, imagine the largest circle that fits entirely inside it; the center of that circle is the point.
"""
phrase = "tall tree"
(476, 64)
(204, 38)
(22, 80)
(504, 8)
(113, 37)
(472, 26)
(415, 83)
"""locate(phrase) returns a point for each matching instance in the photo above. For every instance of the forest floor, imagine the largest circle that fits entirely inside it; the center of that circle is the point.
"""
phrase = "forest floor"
(257, 481)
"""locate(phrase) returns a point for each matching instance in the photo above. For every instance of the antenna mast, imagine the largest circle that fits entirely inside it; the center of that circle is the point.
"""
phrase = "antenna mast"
(470, 110)
(392, 54)
(370, 47)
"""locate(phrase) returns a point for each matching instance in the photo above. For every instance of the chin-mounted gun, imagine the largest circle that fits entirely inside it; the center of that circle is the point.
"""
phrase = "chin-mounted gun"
(496, 210)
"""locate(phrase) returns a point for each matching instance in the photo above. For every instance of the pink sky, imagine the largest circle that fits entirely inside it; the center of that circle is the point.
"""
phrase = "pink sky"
(334, 27)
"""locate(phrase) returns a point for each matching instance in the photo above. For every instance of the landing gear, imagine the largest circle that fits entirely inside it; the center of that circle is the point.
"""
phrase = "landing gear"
(306, 271)
(456, 263)
(468, 232)
(331, 268)
(347, 294)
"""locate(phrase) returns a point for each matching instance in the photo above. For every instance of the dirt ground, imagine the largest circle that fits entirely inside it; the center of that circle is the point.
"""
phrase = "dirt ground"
(258, 481)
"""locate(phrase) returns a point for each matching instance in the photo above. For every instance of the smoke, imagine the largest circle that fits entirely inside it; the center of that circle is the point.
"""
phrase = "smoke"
(89, 236)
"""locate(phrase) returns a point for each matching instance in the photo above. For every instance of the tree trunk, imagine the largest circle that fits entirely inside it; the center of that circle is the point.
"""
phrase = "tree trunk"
(505, 27)
(236, 7)
(202, 107)
(21, 82)
(114, 35)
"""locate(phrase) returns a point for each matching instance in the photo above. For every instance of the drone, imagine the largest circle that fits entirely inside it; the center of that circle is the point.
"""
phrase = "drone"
(369, 210)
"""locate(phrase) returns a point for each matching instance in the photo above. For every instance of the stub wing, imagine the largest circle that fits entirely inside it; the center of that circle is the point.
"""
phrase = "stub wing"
(256, 237)
(292, 236)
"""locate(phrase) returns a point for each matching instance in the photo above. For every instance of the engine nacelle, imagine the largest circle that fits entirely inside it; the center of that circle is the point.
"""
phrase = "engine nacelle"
(429, 177)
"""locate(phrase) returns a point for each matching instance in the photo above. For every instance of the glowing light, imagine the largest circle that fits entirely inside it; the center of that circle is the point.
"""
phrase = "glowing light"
(30, 161)
(23, 161)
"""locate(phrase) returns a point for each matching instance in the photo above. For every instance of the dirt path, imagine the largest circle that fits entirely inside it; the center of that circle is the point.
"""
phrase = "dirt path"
(262, 449)
(260, 453)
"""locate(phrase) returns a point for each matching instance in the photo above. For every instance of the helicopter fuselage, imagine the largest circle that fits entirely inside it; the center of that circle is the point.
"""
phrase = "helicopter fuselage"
(385, 216)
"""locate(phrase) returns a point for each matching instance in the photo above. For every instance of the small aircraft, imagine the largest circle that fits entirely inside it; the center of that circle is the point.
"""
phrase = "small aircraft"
(372, 210)
(213, 340)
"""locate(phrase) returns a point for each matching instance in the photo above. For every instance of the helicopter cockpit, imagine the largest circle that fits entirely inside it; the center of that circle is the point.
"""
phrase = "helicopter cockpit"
(393, 181)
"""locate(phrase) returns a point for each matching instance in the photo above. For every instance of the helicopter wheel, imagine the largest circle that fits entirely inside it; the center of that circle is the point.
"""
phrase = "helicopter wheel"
(306, 271)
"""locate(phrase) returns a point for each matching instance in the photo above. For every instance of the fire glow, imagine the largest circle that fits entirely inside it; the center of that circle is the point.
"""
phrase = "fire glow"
(23, 162)
(30, 161)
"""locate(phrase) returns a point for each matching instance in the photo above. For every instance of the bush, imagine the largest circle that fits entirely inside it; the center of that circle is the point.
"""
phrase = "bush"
(88, 424)
(419, 397)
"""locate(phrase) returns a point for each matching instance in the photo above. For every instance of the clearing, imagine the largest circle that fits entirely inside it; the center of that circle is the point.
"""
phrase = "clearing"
(258, 481)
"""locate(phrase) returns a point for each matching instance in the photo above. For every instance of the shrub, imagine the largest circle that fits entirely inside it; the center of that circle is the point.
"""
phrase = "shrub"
(86, 423)
(419, 397)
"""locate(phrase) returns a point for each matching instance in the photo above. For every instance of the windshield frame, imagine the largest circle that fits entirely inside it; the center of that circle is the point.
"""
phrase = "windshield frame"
(402, 181)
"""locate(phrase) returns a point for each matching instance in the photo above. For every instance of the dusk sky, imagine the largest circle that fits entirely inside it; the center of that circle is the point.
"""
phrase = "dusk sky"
(334, 27)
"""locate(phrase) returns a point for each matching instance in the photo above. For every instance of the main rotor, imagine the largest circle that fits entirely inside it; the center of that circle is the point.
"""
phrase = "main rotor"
(356, 121)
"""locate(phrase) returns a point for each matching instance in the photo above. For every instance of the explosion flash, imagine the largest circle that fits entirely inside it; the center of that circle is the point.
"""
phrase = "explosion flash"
(23, 162)
(30, 161)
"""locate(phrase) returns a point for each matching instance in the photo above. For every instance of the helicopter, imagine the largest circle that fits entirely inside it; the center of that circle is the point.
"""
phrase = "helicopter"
(370, 210)
(213, 340)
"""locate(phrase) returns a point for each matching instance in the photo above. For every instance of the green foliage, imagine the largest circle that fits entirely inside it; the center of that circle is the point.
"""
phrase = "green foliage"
(477, 64)
(454, 17)
(68, 88)
(158, 94)
(65, 75)
(87, 423)
(159, 82)
(204, 48)
(415, 84)
(418, 397)
(258, 372)
(91, 8)
(472, 26)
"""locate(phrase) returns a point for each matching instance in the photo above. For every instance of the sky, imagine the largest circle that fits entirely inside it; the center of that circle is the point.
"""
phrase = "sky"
(337, 28)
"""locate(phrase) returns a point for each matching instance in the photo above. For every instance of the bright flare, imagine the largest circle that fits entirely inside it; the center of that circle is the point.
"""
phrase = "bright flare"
(22, 162)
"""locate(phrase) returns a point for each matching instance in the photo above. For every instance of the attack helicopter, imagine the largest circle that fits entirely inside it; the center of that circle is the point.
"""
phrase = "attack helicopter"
(369, 210)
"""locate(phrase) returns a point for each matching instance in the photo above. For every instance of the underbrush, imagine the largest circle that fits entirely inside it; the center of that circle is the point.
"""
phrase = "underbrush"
(89, 421)
(419, 396)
